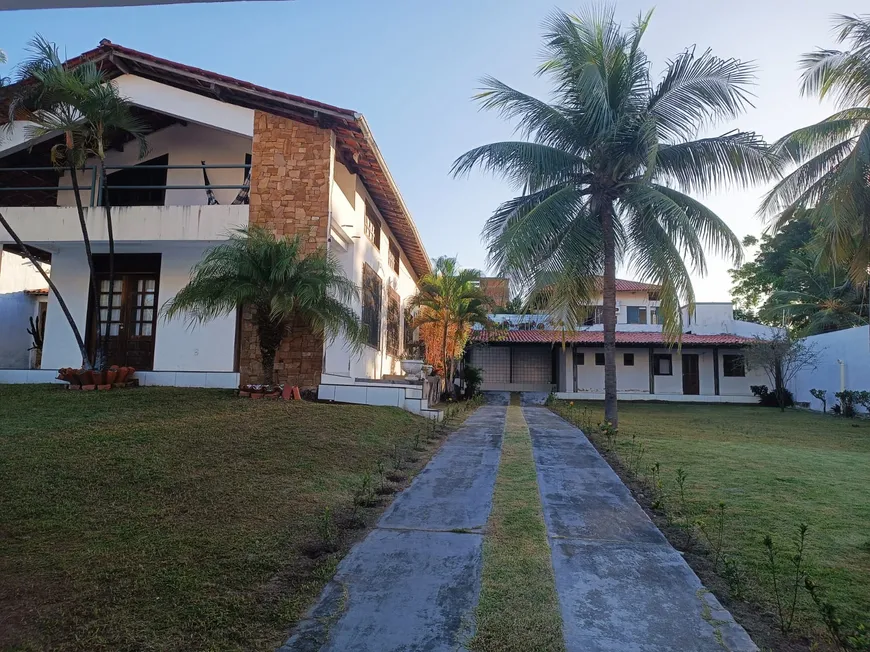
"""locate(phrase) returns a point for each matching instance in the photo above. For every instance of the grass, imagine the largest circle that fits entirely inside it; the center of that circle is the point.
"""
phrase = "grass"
(172, 519)
(773, 471)
(518, 608)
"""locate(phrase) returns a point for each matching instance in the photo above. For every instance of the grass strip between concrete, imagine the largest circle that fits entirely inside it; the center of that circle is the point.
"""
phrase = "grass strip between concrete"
(518, 607)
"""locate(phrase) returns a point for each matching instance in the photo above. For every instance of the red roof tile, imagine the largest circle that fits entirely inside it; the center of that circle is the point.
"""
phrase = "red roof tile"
(622, 285)
(597, 337)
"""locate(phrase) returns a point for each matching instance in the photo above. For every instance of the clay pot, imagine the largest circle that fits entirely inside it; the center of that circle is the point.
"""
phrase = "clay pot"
(121, 375)
(99, 378)
(111, 376)
(244, 394)
(256, 394)
(85, 377)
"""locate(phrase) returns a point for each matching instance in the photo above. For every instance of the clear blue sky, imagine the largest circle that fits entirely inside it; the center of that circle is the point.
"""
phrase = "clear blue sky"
(412, 67)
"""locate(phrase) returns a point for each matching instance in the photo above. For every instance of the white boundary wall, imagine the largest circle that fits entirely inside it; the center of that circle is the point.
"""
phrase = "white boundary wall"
(844, 363)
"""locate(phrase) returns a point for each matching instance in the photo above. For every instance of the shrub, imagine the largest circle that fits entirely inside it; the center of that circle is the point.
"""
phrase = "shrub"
(473, 377)
(821, 395)
(847, 402)
(766, 398)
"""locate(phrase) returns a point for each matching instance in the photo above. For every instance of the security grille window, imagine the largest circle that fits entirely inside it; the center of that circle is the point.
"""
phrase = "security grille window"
(599, 359)
(628, 359)
(494, 362)
(393, 323)
(371, 305)
(594, 315)
(663, 365)
(393, 258)
(636, 315)
(533, 364)
(734, 365)
(409, 328)
(372, 227)
(654, 315)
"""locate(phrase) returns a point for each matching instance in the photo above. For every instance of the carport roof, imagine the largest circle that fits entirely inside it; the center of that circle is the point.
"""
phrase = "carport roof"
(597, 337)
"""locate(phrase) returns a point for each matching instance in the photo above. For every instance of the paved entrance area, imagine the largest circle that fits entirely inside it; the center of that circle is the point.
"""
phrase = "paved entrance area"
(413, 583)
(621, 585)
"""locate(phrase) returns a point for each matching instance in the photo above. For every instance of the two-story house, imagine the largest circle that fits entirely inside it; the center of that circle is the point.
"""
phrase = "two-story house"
(223, 153)
(530, 353)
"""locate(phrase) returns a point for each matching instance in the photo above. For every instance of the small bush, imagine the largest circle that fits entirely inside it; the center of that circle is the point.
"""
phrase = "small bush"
(766, 398)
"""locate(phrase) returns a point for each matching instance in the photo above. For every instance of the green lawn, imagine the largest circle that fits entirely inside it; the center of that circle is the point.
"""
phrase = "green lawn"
(773, 470)
(170, 519)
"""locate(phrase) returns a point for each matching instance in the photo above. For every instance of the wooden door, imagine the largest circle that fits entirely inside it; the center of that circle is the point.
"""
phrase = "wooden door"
(127, 314)
(691, 374)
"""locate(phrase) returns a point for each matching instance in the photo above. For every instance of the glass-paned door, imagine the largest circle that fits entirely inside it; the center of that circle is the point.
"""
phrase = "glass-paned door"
(127, 320)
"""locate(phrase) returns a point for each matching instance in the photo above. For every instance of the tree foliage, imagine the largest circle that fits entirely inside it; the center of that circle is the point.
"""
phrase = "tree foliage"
(782, 357)
(607, 170)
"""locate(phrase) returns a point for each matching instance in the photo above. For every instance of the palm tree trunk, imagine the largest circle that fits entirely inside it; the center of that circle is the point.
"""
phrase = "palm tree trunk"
(104, 350)
(444, 352)
(609, 316)
(270, 334)
(82, 348)
(95, 290)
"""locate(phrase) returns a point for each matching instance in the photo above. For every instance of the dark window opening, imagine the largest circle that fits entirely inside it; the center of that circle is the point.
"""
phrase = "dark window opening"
(393, 258)
(580, 358)
(599, 359)
(393, 323)
(663, 364)
(734, 365)
(628, 359)
(141, 186)
(371, 307)
(372, 227)
(594, 315)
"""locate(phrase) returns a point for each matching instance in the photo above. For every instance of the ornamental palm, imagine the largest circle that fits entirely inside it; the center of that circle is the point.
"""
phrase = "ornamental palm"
(605, 177)
(816, 302)
(283, 287)
(450, 297)
(834, 154)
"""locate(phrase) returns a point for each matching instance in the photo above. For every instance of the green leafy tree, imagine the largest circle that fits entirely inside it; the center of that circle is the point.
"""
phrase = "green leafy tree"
(607, 170)
(283, 287)
(833, 156)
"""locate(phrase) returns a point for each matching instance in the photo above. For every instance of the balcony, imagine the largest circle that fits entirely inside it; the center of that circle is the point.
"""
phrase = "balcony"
(150, 201)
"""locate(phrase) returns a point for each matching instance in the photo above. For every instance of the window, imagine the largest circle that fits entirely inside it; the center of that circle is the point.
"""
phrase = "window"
(393, 258)
(662, 364)
(372, 227)
(628, 359)
(599, 359)
(393, 323)
(734, 365)
(579, 358)
(142, 185)
(409, 328)
(636, 314)
(371, 305)
(594, 315)
(654, 315)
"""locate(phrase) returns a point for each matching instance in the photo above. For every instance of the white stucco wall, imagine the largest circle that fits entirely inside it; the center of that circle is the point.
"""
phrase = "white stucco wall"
(852, 348)
(178, 346)
(348, 199)
(16, 308)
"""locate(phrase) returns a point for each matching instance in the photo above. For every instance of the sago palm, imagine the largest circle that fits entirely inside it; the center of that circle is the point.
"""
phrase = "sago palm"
(834, 154)
(606, 170)
(449, 297)
(282, 285)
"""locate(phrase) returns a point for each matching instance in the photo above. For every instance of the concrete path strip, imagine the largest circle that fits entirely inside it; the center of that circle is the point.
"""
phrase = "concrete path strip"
(413, 582)
(622, 587)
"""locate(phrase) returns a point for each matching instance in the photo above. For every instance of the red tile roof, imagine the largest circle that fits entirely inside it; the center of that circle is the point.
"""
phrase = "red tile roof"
(597, 337)
(622, 285)
(356, 146)
(43, 292)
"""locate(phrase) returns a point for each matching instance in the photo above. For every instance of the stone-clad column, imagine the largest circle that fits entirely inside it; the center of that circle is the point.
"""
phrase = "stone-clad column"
(290, 176)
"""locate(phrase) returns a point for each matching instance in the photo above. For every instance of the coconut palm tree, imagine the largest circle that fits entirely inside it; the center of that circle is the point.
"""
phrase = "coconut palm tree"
(607, 170)
(282, 286)
(86, 107)
(833, 155)
(450, 300)
(816, 302)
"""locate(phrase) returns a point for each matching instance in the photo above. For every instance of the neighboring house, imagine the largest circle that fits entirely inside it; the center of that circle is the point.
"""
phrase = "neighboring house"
(315, 171)
(496, 289)
(530, 353)
(843, 364)
(23, 296)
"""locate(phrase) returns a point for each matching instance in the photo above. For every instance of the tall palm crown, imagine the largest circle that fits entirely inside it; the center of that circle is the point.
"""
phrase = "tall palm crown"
(283, 286)
(607, 166)
(834, 154)
(450, 299)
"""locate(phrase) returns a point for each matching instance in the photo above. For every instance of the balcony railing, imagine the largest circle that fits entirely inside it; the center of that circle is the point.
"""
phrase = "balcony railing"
(47, 194)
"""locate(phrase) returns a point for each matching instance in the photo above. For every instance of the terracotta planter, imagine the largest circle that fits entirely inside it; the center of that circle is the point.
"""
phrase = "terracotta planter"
(99, 378)
(85, 377)
(121, 377)
(244, 394)
(111, 376)
(256, 395)
(88, 387)
(104, 388)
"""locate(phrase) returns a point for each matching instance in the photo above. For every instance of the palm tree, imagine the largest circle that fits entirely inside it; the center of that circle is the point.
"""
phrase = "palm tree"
(87, 108)
(816, 302)
(607, 169)
(833, 155)
(281, 285)
(450, 300)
